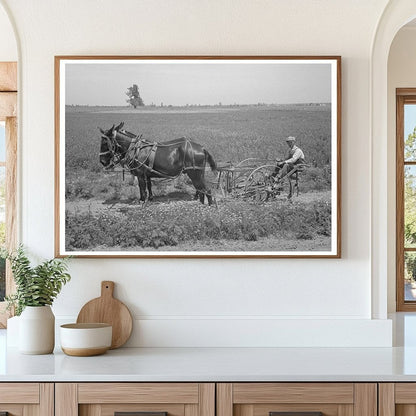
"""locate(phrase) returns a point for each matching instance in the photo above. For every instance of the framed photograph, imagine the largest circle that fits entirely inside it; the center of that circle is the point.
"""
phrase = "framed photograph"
(198, 156)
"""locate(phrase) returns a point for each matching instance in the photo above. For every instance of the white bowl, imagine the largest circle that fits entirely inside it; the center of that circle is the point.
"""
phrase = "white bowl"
(83, 340)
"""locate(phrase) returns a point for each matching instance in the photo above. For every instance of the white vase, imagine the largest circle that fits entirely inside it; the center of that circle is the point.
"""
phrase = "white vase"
(37, 330)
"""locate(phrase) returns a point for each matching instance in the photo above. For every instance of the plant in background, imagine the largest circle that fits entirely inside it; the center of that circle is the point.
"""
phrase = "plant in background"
(35, 286)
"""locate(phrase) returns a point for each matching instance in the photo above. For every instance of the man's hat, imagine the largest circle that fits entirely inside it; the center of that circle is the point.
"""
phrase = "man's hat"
(290, 139)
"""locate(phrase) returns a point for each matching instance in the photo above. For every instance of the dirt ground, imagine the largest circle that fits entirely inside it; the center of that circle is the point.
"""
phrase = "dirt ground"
(95, 206)
(263, 244)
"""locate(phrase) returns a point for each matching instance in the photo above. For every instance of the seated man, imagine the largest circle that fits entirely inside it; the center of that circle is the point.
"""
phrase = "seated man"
(294, 156)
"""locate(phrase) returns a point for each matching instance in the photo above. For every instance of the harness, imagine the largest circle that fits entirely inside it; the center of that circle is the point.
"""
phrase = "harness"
(141, 154)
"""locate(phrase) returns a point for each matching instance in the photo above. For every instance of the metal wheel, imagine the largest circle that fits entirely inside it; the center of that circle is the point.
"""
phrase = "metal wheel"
(259, 184)
(284, 188)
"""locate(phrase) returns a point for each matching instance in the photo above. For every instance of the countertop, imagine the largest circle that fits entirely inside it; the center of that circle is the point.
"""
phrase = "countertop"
(215, 364)
(222, 364)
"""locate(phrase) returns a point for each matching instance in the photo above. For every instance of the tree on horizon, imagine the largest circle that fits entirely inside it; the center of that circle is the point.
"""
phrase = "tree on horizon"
(134, 96)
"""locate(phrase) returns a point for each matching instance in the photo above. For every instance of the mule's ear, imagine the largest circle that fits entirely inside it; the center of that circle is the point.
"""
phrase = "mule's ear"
(119, 126)
(101, 130)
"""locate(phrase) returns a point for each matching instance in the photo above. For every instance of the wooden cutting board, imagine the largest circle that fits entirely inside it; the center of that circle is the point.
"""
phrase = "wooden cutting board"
(108, 310)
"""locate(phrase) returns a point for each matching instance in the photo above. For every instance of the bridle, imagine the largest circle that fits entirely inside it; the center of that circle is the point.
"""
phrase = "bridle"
(113, 150)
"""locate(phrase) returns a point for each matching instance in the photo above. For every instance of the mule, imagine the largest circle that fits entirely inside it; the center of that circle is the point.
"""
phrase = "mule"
(145, 159)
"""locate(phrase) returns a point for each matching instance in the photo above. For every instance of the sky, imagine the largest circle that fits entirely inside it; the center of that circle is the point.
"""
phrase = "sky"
(182, 83)
(409, 119)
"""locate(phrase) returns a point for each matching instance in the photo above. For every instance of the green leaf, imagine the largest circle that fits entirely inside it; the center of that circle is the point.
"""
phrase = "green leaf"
(35, 286)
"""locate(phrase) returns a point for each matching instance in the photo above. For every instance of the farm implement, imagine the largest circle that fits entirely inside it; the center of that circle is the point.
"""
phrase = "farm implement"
(255, 179)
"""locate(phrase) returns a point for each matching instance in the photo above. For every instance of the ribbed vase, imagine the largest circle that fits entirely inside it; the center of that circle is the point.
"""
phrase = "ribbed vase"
(37, 330)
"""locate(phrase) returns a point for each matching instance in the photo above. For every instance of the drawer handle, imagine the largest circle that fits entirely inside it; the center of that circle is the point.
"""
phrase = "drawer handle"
(295, 414)
(139, 414)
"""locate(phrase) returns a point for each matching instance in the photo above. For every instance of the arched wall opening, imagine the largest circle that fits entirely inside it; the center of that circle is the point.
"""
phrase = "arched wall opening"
(401, 74)
(396, 15)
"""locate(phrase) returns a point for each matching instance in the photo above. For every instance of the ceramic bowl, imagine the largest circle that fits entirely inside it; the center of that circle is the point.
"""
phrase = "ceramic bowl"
(83, 340)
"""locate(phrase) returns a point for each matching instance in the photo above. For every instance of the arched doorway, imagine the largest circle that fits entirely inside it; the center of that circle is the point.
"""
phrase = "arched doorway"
(396, 15)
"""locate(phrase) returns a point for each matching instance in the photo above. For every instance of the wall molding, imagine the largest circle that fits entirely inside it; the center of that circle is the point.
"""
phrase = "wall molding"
(256, 332)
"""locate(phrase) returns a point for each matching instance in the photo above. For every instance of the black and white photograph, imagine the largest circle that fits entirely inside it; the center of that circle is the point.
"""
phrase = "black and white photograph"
(197, 156)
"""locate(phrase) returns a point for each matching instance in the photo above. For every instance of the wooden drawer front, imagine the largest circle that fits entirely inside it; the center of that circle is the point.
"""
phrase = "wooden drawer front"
(295, 408)
(331, 399)
(405, 393)
(27, 399)
(19, 393)
(397, 399)
(13, 409)
(110, 409)
(105, 399)
(138, 393)
(293, 393)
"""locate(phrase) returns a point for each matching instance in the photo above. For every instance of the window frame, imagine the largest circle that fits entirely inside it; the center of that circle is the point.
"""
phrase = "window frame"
(403, 96)
(8, 114)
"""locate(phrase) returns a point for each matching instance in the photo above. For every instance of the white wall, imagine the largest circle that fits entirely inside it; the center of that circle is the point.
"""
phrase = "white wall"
(401, 74)
(293, 302)
(8, 47)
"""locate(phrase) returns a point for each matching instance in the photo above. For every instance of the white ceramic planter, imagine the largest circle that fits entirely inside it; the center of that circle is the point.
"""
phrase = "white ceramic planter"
(37, 330)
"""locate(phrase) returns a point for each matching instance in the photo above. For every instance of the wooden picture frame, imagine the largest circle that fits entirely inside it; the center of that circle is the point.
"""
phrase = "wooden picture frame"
(231, 118)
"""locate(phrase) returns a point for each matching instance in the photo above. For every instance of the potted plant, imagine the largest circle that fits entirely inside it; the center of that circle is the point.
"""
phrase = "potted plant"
(36, 289)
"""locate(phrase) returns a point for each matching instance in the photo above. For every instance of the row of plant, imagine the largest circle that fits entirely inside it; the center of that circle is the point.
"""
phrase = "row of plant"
(228, 135)
(159, 225)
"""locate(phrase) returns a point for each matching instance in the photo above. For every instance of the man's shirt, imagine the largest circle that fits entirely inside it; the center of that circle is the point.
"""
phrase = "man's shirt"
(294, 154)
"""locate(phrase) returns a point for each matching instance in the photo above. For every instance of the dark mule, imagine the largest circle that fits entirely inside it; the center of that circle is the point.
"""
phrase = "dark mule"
(147, 160)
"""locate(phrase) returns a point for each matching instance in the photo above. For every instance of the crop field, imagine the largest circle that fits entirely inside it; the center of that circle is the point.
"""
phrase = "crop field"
(103, 213)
